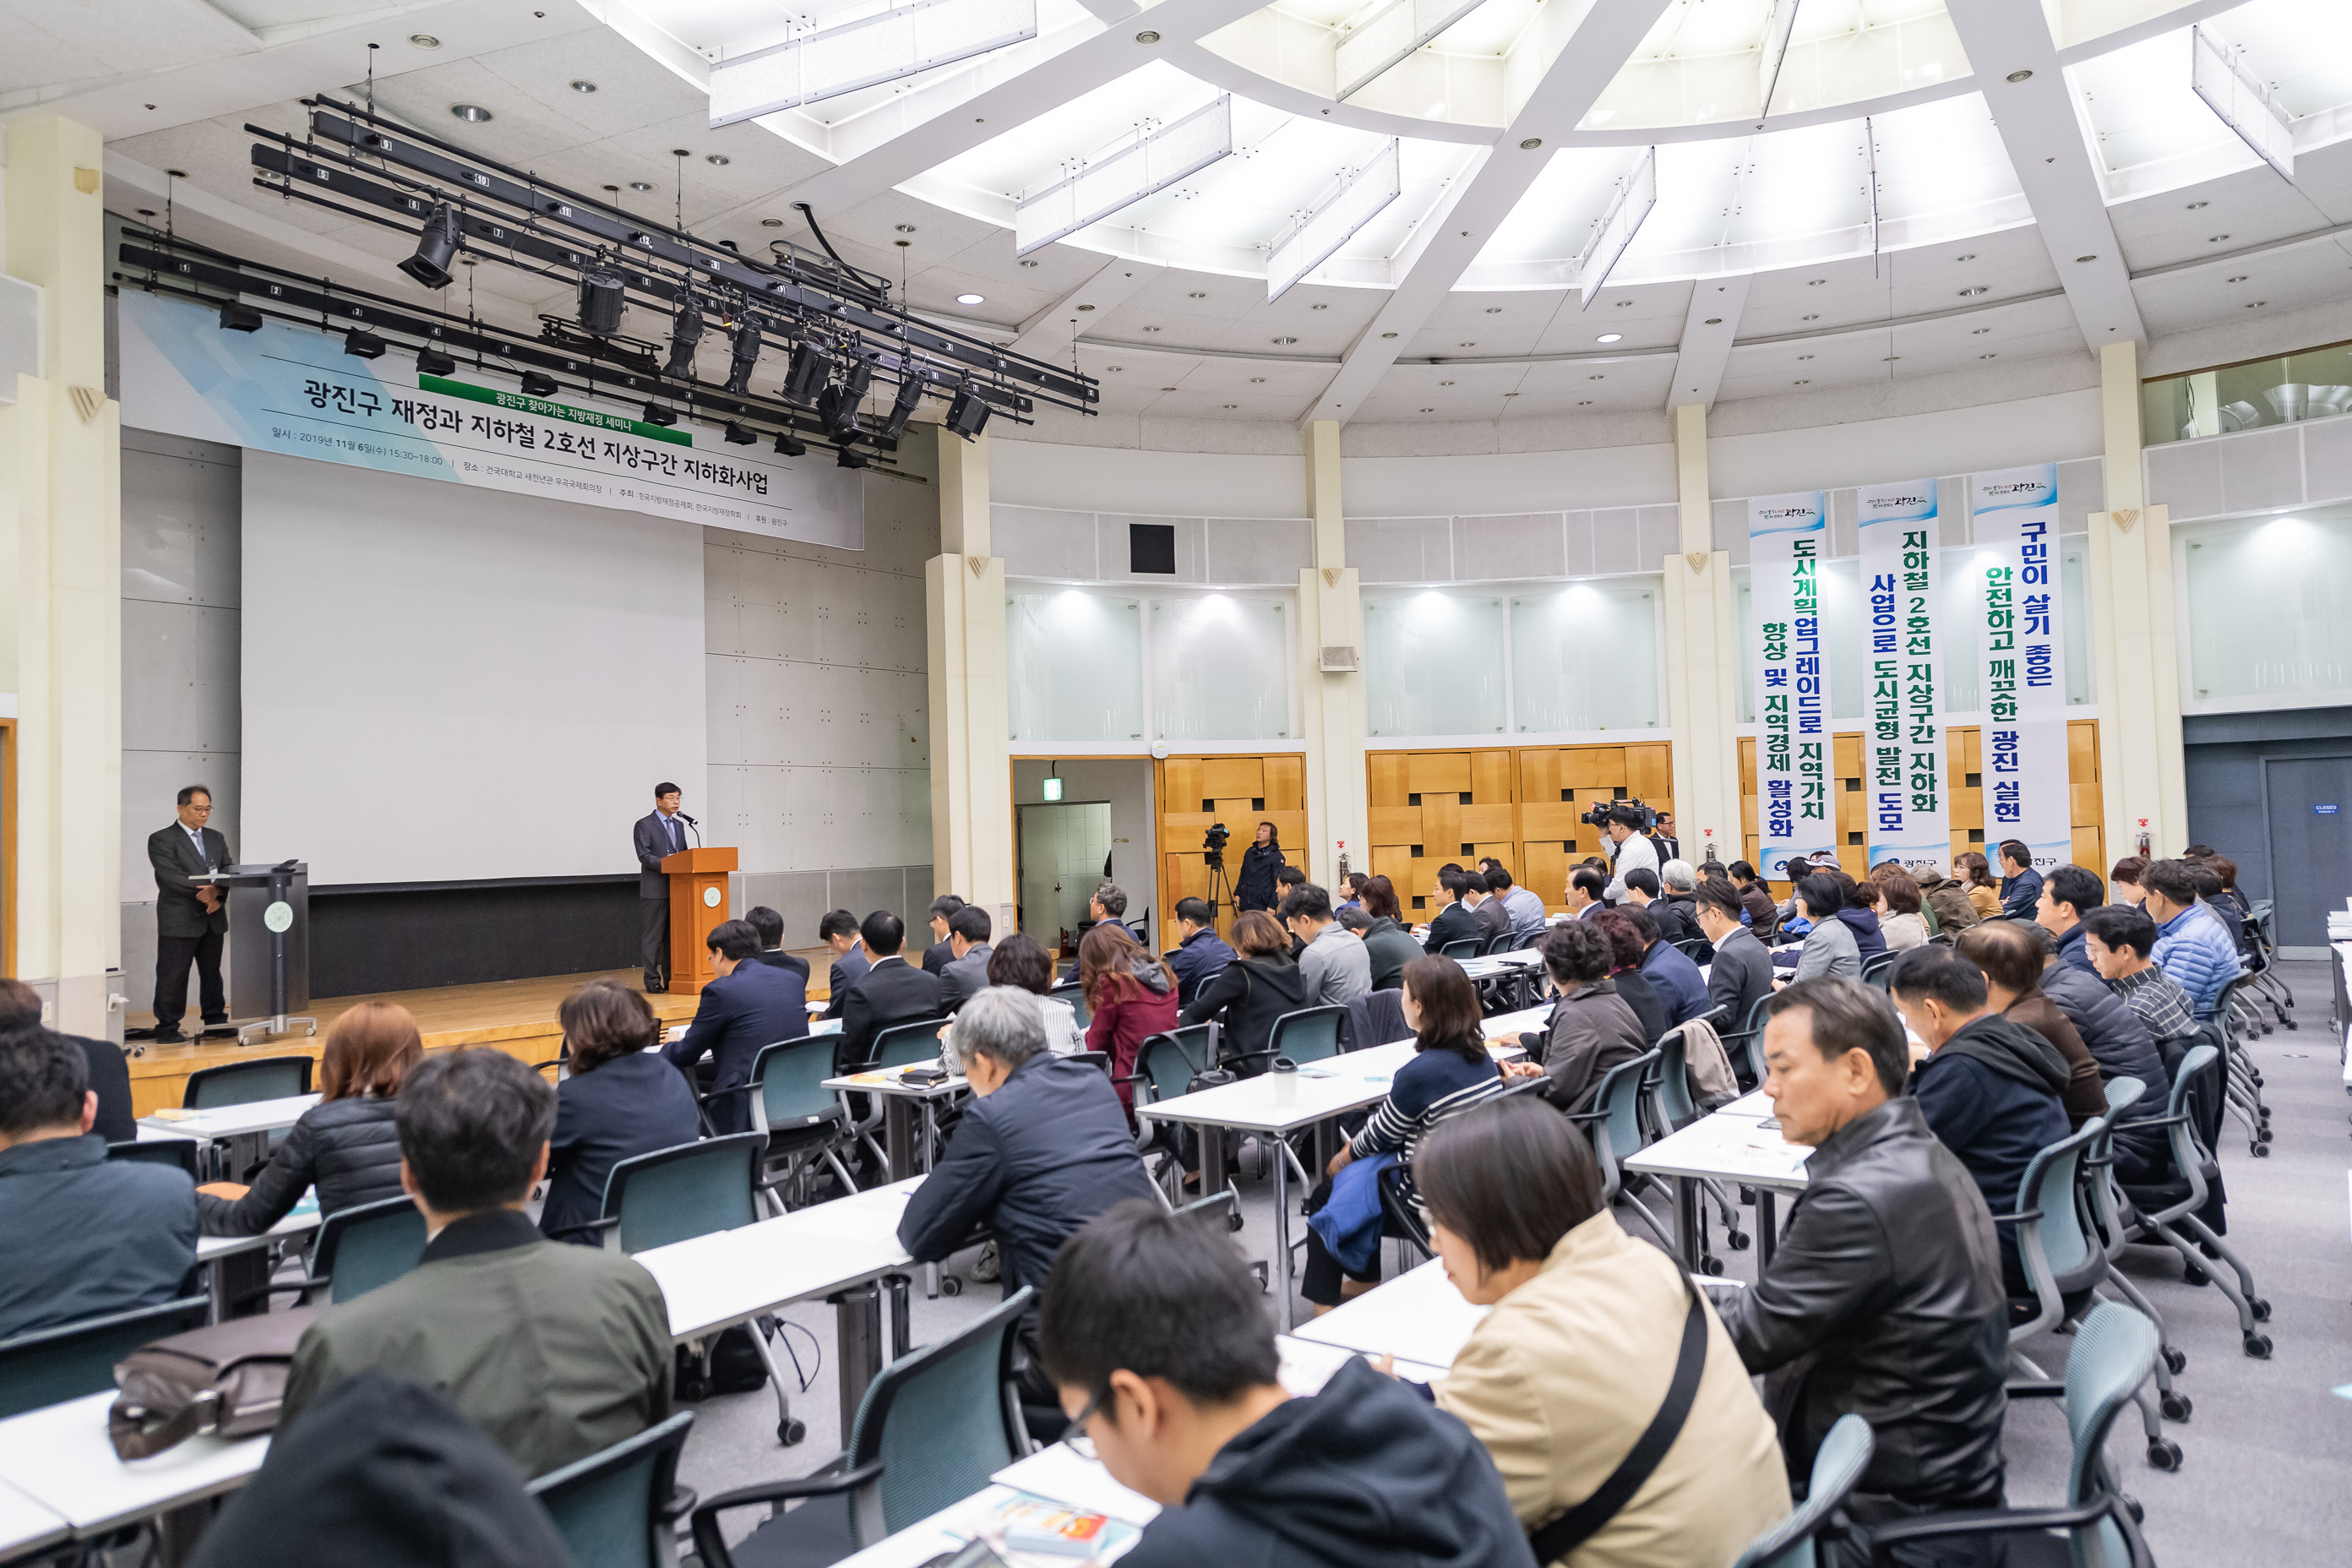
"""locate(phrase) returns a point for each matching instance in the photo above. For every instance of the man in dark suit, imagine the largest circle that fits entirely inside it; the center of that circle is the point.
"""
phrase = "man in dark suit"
(770, 925)
(891, 992)
(1452, 921)
(1740, 975)
(190, 918)
(966, 976)
(838, 931)
(747, 1005)
(939, 955)
(1478, 897)
(659, 833)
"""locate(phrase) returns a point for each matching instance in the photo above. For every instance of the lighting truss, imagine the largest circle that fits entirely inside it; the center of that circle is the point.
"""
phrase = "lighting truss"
(1152, 162)
(1637, 192)
(865, 53)
(1342, 208)
(1388, 37)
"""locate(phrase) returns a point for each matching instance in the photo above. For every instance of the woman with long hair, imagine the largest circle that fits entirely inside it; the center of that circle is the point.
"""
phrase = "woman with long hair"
(1130, 997)
(1253, 884)
(1258, 986)
(621, 1101)
(1975, 874)
(1388, 943)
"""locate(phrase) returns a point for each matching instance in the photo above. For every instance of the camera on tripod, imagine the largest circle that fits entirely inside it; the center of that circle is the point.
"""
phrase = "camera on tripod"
(1214, 841)
(1604, 812)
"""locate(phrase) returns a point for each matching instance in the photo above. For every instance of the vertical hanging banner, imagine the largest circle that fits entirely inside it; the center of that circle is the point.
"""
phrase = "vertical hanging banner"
(2014, 521)
(1903, 735)
(1787, 537)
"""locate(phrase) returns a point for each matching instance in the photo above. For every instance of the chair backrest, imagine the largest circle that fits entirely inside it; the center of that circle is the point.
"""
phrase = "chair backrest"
(1460, 948)
(1093, 1059)
(1073, 992)
(1670, 1083)
(242, 1083)
(1308, 1035)
(2113, 1353)
(606, 1506)
(1376, 1019)
(910, 1044)
(1401, 1211)
(941, 1420)
(1502, 942)
(369, 1245)
(1618, 1134)
(2097, 1182)
(180, 1153)
(49, 1366)
(2055, 1248)
(694, 1189)
(1167, 1063)
(790, 1077)
(1698, 949)
(1837, 1464)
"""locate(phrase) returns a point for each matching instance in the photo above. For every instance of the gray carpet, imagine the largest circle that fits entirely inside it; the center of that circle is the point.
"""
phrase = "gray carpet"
(2267, 1470)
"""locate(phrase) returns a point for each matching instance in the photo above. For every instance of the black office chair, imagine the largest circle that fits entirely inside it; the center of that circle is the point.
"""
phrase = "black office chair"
(243, 1083)
(184, 1153)
(49, 1366)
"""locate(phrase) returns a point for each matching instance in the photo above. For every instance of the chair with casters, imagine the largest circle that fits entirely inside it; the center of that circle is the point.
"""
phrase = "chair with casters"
(1878, 970)
(185, 1154)
(620, 1509)
(1461, 948)
(243, 1083)
(359, 1249)
(1401, 1216)
(805, 1123)
(1615, 1127)
(2106, 1205)
(1165, 1065)
(931, 1430)
(2167, 1212)
(49, 1366)
(2109, 1361)
(1745, 1046)
(1220, 1210)
(1837, 1464)
(2240, 1080)
(1673, 1108)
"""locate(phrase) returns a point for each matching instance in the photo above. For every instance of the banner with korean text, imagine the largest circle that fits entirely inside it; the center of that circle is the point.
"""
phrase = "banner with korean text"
(1787, 537)
(1903, 764)
(2014, 521)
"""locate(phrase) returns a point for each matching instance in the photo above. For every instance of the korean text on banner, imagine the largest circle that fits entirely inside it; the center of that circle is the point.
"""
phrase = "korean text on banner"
(1904, 780)
(2014, 520)
(1787, 537)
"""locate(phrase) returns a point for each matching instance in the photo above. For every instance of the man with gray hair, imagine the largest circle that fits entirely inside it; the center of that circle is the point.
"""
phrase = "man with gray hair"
(1679, 905)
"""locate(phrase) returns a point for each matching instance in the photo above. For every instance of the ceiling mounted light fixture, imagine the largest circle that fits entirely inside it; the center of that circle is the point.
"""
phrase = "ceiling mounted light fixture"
(968, 414)
(603, 297)
(789, 446)
(1531, 144)
(772, 223)
(685, 333)
(2093, 257)
(718, 159)
(2018, 76)
(1277, 341)
(902, 407)
(640, 186)
(236, 317)
(1610, 338)
(582, 84)
(537, 384)
(972, 299)
(743, 352)
(658, 414)
(363, 345)
(425, 40)
(838, 404)
(2194, 206)
(1388, 334)
(1970, 256)
(2217, 240)
(434, 246)
(806, 374)
(432, 362)
(471, 113)
(846, 458)
(1147, 37)
(1973, 290)
(740, 435)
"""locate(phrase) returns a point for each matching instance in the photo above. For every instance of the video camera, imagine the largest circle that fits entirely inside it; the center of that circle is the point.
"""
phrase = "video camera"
(1214, 841)
(1603, 811)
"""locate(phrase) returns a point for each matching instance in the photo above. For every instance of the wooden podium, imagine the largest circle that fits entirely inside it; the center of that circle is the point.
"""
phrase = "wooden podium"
(698, 903)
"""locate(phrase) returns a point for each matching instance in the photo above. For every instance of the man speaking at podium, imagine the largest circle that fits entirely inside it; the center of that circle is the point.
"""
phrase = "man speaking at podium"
(660, 833)
(191, 918)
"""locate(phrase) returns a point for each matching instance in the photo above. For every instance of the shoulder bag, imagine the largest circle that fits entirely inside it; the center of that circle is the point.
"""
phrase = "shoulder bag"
(227, 1379)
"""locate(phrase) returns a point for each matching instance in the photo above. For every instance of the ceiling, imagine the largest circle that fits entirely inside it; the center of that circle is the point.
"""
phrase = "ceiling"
(1931, 186)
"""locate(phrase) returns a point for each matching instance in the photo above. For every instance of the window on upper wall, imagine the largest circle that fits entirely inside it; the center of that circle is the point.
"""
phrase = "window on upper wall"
(1073, 665)
(2313, 384)
(1524, 658)
(2269, 612)
(1585, 657)
(1433, 662)
(1221, 667)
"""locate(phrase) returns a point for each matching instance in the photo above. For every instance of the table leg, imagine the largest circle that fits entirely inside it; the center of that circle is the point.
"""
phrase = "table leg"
(1767, 1229)
(1282, 1289)
(1687, 1220)
(1213, 1160)
(902, 1337)
(898, 1135)
(857, 1345)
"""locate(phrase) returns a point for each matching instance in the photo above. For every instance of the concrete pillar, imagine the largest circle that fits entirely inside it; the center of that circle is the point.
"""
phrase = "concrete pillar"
(1331, 614)
(971, 766)
(60, 585)
(2134, 655)
(1702, 664)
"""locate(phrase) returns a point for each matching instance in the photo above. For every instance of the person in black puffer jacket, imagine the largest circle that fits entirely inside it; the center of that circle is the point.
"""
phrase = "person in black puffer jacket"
(1253, 884)
(345, 1145)
(1249, 994)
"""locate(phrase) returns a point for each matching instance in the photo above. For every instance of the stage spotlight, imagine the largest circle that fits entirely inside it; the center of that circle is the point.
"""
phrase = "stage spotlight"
(603, 296)
(363, 343)
(434, 248)
(685, 331)
(837, 404)
(534, 385)
(743, 349)
(967, 414)
(740, 435)
(789, 446)
(806, 377)
(236, 317)
(846, 458)
(902, 408)
(432, 362)
(659, 413)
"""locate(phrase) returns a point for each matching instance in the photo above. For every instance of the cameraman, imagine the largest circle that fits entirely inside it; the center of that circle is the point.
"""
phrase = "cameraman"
(1253, 885)
(1629, 849)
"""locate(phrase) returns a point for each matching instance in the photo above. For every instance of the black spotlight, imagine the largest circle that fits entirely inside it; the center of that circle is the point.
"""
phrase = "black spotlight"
(684, 333)
(846, 458)
(236, 317)
(363, 343)
(659, 413)
(534, 385)
(743, 352)
(603, 296)
(837, 404)
(805, 377)
(434, 248)
(789, 446)
(432, 362)
(902, 408)
(967, 414)
(740, 435)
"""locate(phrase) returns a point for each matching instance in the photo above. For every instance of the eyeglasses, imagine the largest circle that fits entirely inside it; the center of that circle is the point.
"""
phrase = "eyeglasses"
(1075, 1437)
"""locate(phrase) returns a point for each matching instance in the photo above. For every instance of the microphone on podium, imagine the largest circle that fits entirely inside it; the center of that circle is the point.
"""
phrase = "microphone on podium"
(696, 825)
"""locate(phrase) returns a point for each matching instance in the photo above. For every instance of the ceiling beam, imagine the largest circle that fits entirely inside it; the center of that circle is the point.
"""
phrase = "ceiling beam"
(1709, 329)
(1591, 50)
(1047, 334)
(2053, 159)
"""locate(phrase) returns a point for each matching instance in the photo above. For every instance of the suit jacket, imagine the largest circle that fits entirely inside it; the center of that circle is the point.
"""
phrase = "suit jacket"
(847, 971)
(1740, 976)
(1493, 919)
(1453, 923)
(653, 842)
(631, 1105)
(777, 957)
(893, 992)
(938, 956)
(964, 978)
(756, 1006)
(177, 913)
(109, 1077)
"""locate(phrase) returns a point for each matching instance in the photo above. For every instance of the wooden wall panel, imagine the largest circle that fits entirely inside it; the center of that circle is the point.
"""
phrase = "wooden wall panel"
(1389, 783)
(1286, 783)
(1193, 792)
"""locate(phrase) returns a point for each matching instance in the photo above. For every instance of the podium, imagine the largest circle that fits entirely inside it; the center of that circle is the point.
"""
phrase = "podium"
(268, 948)
(697, 902)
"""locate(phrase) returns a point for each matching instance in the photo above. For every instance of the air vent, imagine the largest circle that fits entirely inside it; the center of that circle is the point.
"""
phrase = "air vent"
(1340, 661)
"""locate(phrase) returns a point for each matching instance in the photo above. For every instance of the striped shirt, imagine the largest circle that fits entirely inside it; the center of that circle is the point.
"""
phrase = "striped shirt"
(2159, 1002)
(1433, 1085)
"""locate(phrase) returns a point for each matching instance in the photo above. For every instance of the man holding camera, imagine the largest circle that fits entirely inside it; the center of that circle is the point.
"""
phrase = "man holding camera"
(1629, 849)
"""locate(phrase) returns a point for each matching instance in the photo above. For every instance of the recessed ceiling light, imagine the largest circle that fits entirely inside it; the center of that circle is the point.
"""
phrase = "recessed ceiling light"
(1987, 356)
(1980, 331)
(1114, 369)
(1445, 383)
(2241, 278)
(2195, 206)
(719, 159)
(1197, 294)
(2093, 257)
(772, 223)
(1596, 378)
(1971, 255)
(1257, 381)
(614, 189)
(1388, 334)
(1429, 411)
(2256, 304)
(1807, 382)
(1712, 321)
(1082, 309)
(1584, 403)
(902, 244)
(1147, 38)
(2020, 76)
(1804, 356)
(1622, 303)
(906, 228)
(1319, 307)
(146, 212)
(471, 113)
(1889, 359)
(1167, 389)
(1531, 144)
(425, 40)
(1610, 338)
(1972, 291)
(1510, 395)
(1815, 282)
(972, 299)
(582, 84)
(2216, 239)
(1029, 263)
(1470, 345)
(1278, 339)
(1812, 318)
(1234, 406)
(640, 186)
(1494, 309)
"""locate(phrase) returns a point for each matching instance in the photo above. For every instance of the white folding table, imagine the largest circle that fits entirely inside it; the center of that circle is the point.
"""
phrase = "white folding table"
(254, 1117)
(27, 1526)
(59, 1458)
(901, 1102)
(1726, 1147)
(1417, 1317)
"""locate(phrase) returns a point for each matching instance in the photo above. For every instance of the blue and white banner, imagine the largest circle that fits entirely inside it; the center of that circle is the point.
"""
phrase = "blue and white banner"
(1903, 761)
(1787, 537)
(2014, 521)
(293, 390)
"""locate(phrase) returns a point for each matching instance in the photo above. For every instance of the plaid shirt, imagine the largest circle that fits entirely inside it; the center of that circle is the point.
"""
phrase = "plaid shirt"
(2159, 1001)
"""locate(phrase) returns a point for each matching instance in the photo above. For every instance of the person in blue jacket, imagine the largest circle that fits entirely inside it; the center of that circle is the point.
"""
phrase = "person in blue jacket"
(2191, 946)
(2020, 884)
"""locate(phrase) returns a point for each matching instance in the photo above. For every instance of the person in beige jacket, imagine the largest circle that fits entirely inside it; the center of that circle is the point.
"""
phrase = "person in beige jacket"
(1562, 1377)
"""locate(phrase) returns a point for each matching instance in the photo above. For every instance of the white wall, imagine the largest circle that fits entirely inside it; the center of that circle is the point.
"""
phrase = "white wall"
(2046, 429)
(1155, 484)
(1127, 785)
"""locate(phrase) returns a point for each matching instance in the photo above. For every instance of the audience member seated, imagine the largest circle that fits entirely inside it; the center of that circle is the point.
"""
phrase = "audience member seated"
(2011, 954)
(1199, 952)
(892, 991)
(2020, 884)
(1560, 1380)
(769, 927)
(1041, 1148)
(2225, 869)
(621, 1101)
(1884, 1299)
(1455, 920)
(1493, 919)
(2191, 944)
(1248, 994)
(746, 1005)
(1830, 950)
(939, 954)
(1158, 1340)
(1353, 887)
(1130, 997)
(838, 929)
(2123, 881)
(1794, 871)
(1755, 897)
(1740, 975)
(1450, 1071)
(555, 1352)
(1585, 887)
(1989, 1086)
(1975, 876)
(110, 1069)
(2120, 940)
(1644, 891)
(1681, 989)
(345, 1145)
(1627, 943)
(1858, 910)
(1107, 902)
(1680, 880)
(1591, 1029)
(1335, 968)
(1019, 962)
(1947, 898)
(1900, 920)
(1387, 945)
(2069, 893)
(2121, 1046)
(83, 1235)
(966, 973)
(1522, 905)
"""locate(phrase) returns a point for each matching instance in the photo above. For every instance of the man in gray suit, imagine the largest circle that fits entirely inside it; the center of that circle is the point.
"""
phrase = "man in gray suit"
(191, 918)
(659, 833)
(966, 974)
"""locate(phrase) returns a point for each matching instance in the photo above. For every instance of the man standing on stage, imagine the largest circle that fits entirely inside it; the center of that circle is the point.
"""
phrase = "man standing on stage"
(660, 833)
(190, 918)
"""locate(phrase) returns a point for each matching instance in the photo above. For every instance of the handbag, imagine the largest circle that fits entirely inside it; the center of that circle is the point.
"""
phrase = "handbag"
(227, 1379)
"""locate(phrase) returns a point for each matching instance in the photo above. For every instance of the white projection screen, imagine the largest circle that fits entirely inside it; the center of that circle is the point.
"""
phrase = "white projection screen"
(446, 683)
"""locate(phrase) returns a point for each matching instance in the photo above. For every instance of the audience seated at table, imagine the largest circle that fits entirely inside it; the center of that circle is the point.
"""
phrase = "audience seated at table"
(1627, 943)
(746, 1005)
(1893, 897)
(1523, 905)
(1248, 994)
(1334, 968)
(1388, 945)
(1741, 974)
(2122, 1046)
(1947, 899)
(80, 1236)
(1560, 1380)
(1680, 988)
(1130, 997)
(891, 991)
(2020, 884)
(345, 1145)
(2214, 895)
(621, 1101)
(2010, 955)
(1680, 880)
(1157, 1339)
(938, 954)
(1859, 912)
(1585, 886)
(556, 1352)
(2069, 893)
(769, 927)
(1755, 897)
(1020, 962)
(1454, 920)
(1485, 908)
(1450, 1071)
(2120, 940)
(1590, 1029)
(1989, 1086)
(1199, 952)
(2191, 944)
(1671, 923)
(965, 975)
(1829, 950)
(1975, 875)
(1884, 1299)
(110, 1069)
(838, 931)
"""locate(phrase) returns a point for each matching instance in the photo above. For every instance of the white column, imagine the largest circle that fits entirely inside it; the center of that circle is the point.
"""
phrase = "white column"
(972, 767)
(1702, 664)
(1330, 615)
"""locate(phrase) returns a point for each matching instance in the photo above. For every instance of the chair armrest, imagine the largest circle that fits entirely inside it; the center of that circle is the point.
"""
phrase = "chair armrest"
(2019, 1217)
(1883, 1538)
(677, 1505)
(831, 1481)
(584, 1227)
(262, 1292)
(2037, 1388)
(723, 1093)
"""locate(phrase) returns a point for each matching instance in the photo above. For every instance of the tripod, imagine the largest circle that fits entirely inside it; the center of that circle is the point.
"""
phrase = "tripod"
(1218, 880)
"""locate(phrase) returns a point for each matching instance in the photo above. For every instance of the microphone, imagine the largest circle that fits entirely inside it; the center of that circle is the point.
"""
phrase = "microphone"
(696, 825)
